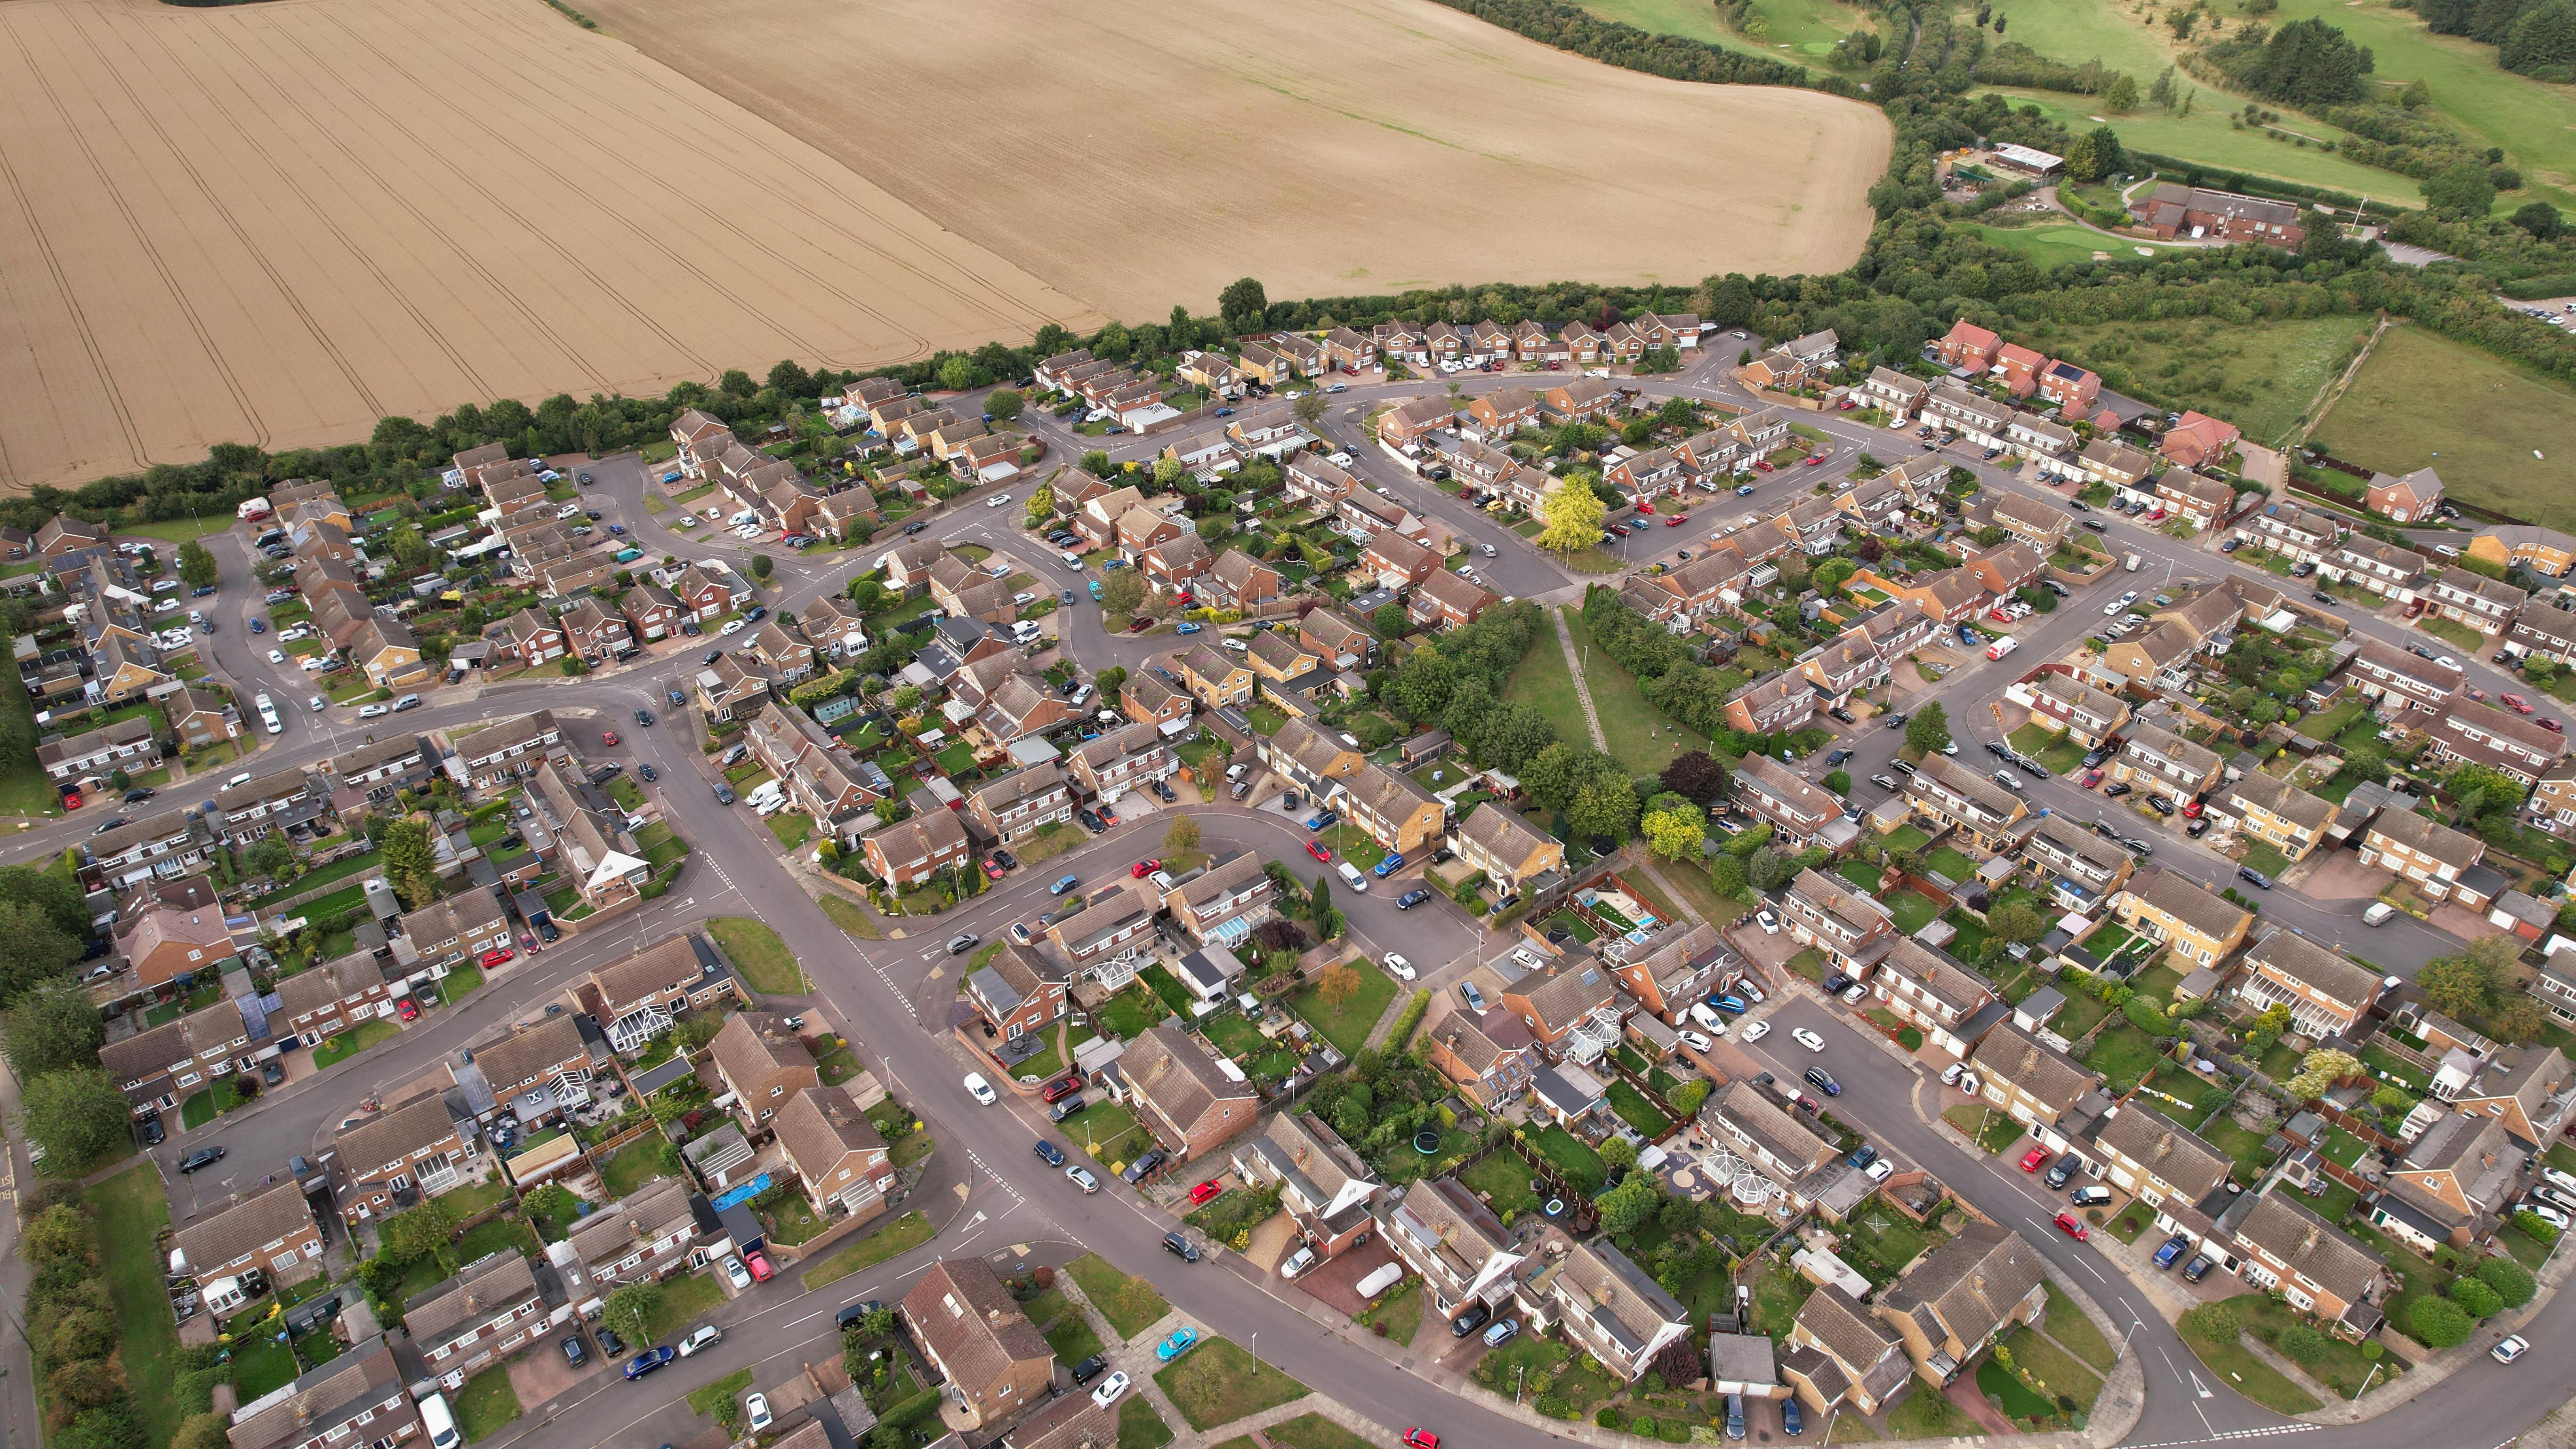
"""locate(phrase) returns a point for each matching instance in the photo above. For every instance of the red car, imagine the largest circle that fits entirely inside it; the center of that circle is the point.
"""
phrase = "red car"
(1143, 868)
(1424, 1438)
(1062, 1087)
(1182, 598)
(993, 870)
(2034, 1159)
(2191, 810)
(2473, 692)
(407, 1009)
(2072, 1226)
(761, 1272)
(1675, 521)
(1108, 816)
(2553, 726)
(2519, 704)
(608, 737)
(1205, 1190)
(2091, 779)
(1646, 508)
(2414, 608)
(1814, 458)
(496, 956)
(71, 799)
(1762, 463)
(2156, 515)
(1316, 849)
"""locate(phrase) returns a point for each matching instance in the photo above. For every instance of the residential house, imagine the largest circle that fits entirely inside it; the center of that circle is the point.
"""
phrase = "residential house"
(2190, 917)
(1396, 561)
(1946, 595)
(1335, 638)
(165, 846)
(2042, 525)
(1129, 757)
(2542, 550)
(2382, 568)
(2482, 734)
(1309, 756)
(2487, 605)
(638, 996)
(1220, 905)
(1512, 853)
(993, 1362)
(2538, 629)
(2431, 856)
(355, 1399)
(1797, 808)
(1839, 1354)
(1021, 706)
(1502, 413)
(910, 852)
(2158, 760)
(2328, 994)
(1237, 580)
(2001, 571)
(2035, 1084)
(1278, 661)
(2453, 1182)
(2175, 210)
(389, 1160)
(1969, 346)
(201, 718)
(1678, 966)
(1410, 422)
(1489, 1056)
(1106, 930)
(1847, 928)
(2209, 619)
(499, 754)
(2317, 1266)
(1017, 992)
(320, 1002)
(2414, 498)
(760, 1059)
(2086, 715)
(2300, 534)
(2168, 1166)
(2401, 681)
(650, 612)
(1558, 997)
(1610, 1306)
(166, 942)
(530, 638)
(2197, 440)
(2059, 850)
(1190, 1107)
(837, 1153)
(159, 1066)
(643, 1238)
(1946, 793)
(96, 754)
(1462, 1252)
(1945, 1000)
(1396, 812)
(594, 633)
(1765, 1134)
(1021, 803)
(1773, 705)
(2113, 464)
(1894, 392)
(1216, 680)
(1961, 1297)
(1446, 600)
(782, 652)
(489, 1309)
(270, 1233)
(826, 782)
(550, 1060)
(1148, 699)
(1329, 1193)
(2271, 810)
(460, 930)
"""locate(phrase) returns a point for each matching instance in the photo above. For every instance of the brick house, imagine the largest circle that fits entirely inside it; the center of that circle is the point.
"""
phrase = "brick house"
(1838, 1353)
(1847, 928)
(488, 1310)
(1190, 1107)
(1970, 346)
(1216, 680)
(1129, 757)
(637, 996)
(2082, 713)
(910, 852)
(2034, 1083)
(1490, 1057)
(500, 754)
(645, 1237)
(837, 1153)
(1021, 803)
(1961, 1297)
(322, 1001)
(271, 1233)
(1609, 1305)
(398, 1155)
(1018, 992)
(650, 612)
(2181, 912)
(1945, 793)
(1508, 849)
(1104, 930)
(2160, 760)
(1223, 902)
(1462, 1252)
(355, 1399)
(1925, 986)
(1445, 600)
(456, 931)
(760, 1059)
(2414, 498)
(2317, 1266)
(993, 1362)
(2268, 809)
(1396, 812)
(167, 942)
(2432, 856)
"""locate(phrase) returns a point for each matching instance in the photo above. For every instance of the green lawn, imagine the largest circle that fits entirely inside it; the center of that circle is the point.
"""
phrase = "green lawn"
(1505, 1179)
(763, 959)
(2494, 415)
(2249, 1375)
(2054, 244)
(337, 1049)
(2204, 136)
(1577, 1163)
(486, 1403)
(1862, 874)
(1927, 1415)
(1992, 1130)
(1218, 1383)
(1347, 1025)
(1400, 1311)
(1905, 838)
(1952, 863)
(2068, 1325)
(2123, 1053)
(2339, 1367)
(1314, 1431)
(2054, 1366)
(1638, 1112)
(707, 1398)
(1109, 1133)
(1912, 910)
(900, 1236)
(1071, 1335)
(849, 915)
(633, 1166)
(131, 1213)
(1543, 681)
(1139, 1427)
(1130, 1304)
(1641, 736)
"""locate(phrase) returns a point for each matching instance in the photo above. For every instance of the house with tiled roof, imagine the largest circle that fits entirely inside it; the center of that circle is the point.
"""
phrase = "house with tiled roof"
(1950, 1003)
(1016, 806)
(2163, 1162)
(320, 1002)
(642, 1238)
(2471, 733)
(639, 993)
(1776, 704)
(1490, 1056)
(1215, 679)
(491, 1308)
(1104, 932)
(1767, 1135)
(1796, 807)
(1507, 848)
(2401, 681)
(2034, 1083)
(909, 852)
(167, 942)
(837, 1153)
(1335, 638)
(2058, 850)
(1221, 904)
(2317, 1266)
(1846, 927)
(1961, 1297)
(271, 1233)
(2294, 531)
(2413, 498)
(356, 1398)
(1327, 1190)
(1945, 793)
(1446, 600)
(2484, 604)
(2431, 856)
(1838, 1353)
(1607, 1304)
(1462, 1252)
(2084, 714)
(2157, 759)
(1555, 999)
(993, 1361)
(1148, 699)
(1017, 992)
(1189, 1106)
(95, 754)
(1396, 812)
(2181, 912)
(390, 1160)
(1676, 967)
(455, 931)
(2328, 994)
(760, 1060)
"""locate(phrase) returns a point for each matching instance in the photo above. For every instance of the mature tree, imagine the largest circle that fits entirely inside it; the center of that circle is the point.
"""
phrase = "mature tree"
(1632, 1202)
(633, 1308)
(907, 698)
(403, 848)
(1310, 407)
(1123, 592)
(2540, 219)
(34, 950)
(2219, 1323)
(197, 566)
(2438, 1323)
(1041, 505)
(1338, 984)
(1829, 576)
(53, 1027)
(2462, 188)
(1571, 518)
(2106, 145)
(1004, 403)
(2480, 1300)
(1676, 832)
(2517, 1018)
(2311, 65)
(1695, 775)
(1605, 806)
(417, 1233)
(1182, 836)
(1726, 875)
(2320, 1069)
(77, 1115)
(410, 549)
(204, 1431)
(2017, 921)
(762, 565)
(1929, 729)
(1389, 620)
(1513, 734)
(2463, 985)
(2511, 1281)
(60, 1231)
(273, 857)
(1770, 868)
(50, 890)
(1617, 1153)
(1243, 303)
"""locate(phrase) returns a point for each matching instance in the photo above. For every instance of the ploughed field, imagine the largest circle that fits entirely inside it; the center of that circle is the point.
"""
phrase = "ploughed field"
(276, 223)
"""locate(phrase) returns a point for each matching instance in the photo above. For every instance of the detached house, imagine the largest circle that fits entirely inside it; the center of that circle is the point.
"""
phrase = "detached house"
(837, 1153)
(994, 1362)
(1958, 1299)
(1489, 1056)
(1462, 1252)
(1018, 992)
(1609, 1305)
(1328, 1191)
(1190, 1107)
(760, 1059)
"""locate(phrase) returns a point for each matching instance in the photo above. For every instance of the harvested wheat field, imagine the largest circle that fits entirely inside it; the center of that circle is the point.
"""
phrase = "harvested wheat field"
(1148, 152)
(275, 224)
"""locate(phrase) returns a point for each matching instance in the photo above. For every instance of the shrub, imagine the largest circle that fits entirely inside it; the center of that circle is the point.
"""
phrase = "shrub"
(2510, 1280)
(2372, 1350)
(2480, 1300)
(2302, 1343)
(2438, 1323)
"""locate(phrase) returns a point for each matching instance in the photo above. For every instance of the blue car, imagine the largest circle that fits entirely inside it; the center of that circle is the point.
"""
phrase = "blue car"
(1179, 1343)
(1743, 490)
(1790, 1424)
(259, 626)
(1322, 818)
(1387, 867)
(649, 1360)
(1095, 588)
(1188, 627)
(1066, 884)
(1049, 1153)
(2172, 1250)
(1731, 1005)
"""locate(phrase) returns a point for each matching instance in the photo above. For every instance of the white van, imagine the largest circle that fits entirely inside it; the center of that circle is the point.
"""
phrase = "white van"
(748, 515)
(1384, 1278)
(1351, 876)
(440, 1423)
(1708, 1019)
(2378, 913)
(2132, 564)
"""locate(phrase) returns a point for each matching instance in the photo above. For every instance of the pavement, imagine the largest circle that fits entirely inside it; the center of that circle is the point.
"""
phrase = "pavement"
(988, 1200)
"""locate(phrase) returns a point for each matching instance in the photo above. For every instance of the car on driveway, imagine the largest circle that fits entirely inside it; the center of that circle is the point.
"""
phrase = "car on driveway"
(1698, 1043)
(496, 956)
(2034, 1159)
(1110, 1388)
(1756, 1031)
(2172, 1251)
(1807, 1039)
(1178, 1342)
(736, 1274)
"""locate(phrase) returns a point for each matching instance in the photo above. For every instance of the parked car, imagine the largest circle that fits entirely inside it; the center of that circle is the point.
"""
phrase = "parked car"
(2171, 1252)
(649, 1360)
(1110, 1388)
(1179, 1341)
(1180, 1247)
(2072, 1226)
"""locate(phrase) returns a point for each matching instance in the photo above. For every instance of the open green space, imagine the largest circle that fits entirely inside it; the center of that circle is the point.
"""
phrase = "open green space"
(2336, 1363)
(704, 1399)
(1218, 1383)
(763, 959)
(2493, 417)
(2068, 1325)
(1139, 1427)
(1130, 1304)
(1346, 1024)
(1543, 681)
(2205, 136)
(900, 1236)
(131, 1212)
(2054, 244)
(1807, 28)
(1640, 736)
(2247, 1374)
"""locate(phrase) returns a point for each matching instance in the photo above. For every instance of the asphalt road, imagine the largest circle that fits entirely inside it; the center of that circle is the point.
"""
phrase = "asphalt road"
(889, 989)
